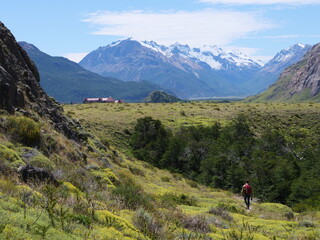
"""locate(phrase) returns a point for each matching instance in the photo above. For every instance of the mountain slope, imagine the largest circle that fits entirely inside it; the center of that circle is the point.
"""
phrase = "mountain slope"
(66, 81)
(298, 83)
(197, 72)
(272, 70)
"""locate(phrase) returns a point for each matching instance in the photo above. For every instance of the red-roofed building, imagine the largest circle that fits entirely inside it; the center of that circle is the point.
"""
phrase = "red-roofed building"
(107, 100)
(91, 100)
(102, 100)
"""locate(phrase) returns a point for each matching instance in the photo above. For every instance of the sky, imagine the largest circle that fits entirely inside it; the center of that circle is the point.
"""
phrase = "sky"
(73, 28)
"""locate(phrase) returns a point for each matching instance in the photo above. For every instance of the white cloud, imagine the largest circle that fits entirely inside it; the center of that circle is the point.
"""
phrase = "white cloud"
(194, 28)
(261, 2)
(75, 57)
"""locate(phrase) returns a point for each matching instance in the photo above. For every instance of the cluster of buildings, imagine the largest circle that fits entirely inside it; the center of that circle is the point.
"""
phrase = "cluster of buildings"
(101, 100)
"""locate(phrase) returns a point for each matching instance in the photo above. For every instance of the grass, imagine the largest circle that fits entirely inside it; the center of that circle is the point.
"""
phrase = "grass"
(114, 122)
(94, 198)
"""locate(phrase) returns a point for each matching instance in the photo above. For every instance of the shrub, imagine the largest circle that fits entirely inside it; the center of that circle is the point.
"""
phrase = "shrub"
(81, 219)
(146, 224)
(307, 223)
(7, 154)
(35, 158)
(9, 160)
(24, 130)
(222, 212)
(197, 223)
(182, 113)
(41, 161)
(231, 207)
(136, 171)
(192, 184)
(48, 144)
(132, 194)
(275, 211)
(165, 179)
(171, 199)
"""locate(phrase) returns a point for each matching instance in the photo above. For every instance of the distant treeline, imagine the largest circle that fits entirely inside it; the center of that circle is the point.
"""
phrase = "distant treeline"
(282, 167)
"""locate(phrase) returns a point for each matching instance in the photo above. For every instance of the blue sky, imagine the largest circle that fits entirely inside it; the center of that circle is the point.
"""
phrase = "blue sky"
(72, 28)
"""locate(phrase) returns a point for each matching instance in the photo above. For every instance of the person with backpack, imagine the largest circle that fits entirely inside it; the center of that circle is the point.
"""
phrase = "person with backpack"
(247, 194)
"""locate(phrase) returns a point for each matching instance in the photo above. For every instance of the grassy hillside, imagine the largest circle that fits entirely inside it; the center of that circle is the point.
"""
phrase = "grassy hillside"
(114, 121)
(160, 97)
(106, 193)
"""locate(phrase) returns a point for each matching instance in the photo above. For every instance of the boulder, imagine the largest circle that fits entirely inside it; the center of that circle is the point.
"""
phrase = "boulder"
(33, 174)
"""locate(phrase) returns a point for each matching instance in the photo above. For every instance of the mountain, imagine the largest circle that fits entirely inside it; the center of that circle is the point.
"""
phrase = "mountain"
(189, 72)
(298, 83)
(272, 70)
(161, 97)
(67, 81)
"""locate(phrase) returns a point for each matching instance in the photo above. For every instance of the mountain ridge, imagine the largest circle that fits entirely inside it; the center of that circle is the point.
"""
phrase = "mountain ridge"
(67, 81)
(208, 71)
(170, 67)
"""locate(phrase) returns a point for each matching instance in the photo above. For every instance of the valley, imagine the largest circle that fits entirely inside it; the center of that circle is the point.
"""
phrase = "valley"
(156, 165)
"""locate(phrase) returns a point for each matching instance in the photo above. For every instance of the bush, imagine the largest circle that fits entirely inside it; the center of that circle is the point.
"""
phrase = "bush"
(222, 212)
(132, 194)
(136, 171)
(307, 223)
(42, 162)
(231, 207)
(165, 179)
(275, 211)
(24, 130)
(35, 158)
(171, 200)
(197, 223)
(146, 224)
(7, 154)
(9, 160)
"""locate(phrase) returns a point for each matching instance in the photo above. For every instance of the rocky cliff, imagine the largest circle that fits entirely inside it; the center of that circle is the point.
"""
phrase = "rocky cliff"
(20, 90)
(298, 83)
(305, 74)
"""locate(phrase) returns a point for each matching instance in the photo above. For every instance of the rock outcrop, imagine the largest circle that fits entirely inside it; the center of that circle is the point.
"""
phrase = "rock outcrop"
(20, 90)
(305, 74)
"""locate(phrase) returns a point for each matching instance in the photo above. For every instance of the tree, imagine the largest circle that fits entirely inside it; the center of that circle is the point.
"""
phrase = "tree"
(149, 140)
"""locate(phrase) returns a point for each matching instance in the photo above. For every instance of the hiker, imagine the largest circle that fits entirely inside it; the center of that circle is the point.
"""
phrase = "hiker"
(247, 193)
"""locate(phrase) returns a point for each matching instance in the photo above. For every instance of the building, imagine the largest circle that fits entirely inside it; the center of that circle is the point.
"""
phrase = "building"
(91, 100)
(102, 100)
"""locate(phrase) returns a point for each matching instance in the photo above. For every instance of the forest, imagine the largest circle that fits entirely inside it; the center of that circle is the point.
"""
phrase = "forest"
(283, 165)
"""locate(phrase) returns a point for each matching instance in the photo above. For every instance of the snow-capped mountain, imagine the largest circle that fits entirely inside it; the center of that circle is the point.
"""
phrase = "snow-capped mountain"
(204, 71)
(287, 57)
(214, 56)
(189, 72)
(272, 70)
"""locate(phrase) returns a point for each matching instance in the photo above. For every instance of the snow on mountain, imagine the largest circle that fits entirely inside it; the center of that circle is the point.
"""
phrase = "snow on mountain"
(290, 53)
(214, 56)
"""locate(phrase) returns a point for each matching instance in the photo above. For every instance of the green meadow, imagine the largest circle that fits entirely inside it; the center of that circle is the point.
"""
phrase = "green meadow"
(105, 192)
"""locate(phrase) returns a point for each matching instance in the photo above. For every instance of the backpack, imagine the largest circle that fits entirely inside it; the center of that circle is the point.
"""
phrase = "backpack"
(246, 189)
